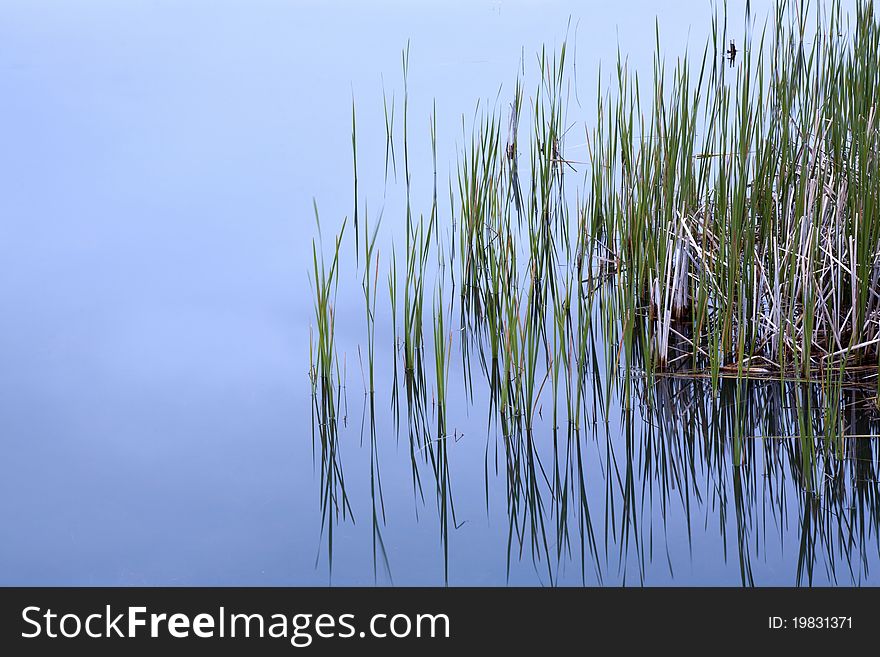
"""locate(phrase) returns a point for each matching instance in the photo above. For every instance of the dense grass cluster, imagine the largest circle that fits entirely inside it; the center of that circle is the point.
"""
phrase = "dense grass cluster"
(744, 216)
(725, 224)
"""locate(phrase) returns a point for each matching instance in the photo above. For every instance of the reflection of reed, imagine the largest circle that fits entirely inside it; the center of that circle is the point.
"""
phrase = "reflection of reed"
(377, 497)
(428, 444)
(325, 432)
(722, 459)
(771, 432)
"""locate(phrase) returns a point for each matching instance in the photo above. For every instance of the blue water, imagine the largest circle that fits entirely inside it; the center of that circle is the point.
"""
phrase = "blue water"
(158, 165)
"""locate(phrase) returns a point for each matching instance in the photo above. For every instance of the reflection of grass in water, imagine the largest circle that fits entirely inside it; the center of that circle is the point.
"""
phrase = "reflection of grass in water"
(377, 496)
(785, 421)
(727, 228)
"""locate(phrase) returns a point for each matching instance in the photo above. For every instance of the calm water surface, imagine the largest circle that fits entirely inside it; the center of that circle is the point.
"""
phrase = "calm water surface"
(158, 164)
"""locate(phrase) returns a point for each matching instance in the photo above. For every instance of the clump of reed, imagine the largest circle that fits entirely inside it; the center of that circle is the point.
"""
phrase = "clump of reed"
(727, 226)
(754, 248)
